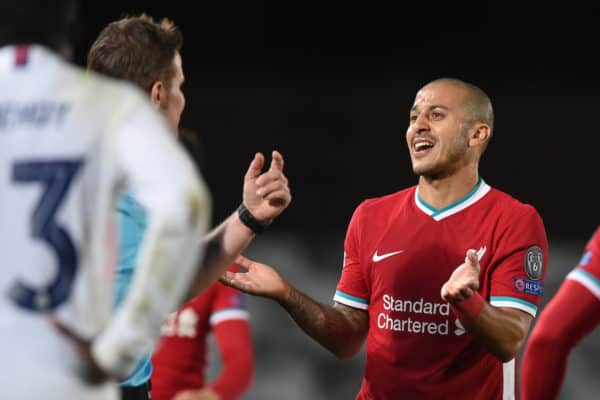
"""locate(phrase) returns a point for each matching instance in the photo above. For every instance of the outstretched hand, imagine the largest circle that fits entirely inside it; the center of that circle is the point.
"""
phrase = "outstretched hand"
(464, 281)
(259, 280)
(266, 194)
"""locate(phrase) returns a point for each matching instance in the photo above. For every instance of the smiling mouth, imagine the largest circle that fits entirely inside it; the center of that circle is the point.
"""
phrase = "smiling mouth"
(422, 146)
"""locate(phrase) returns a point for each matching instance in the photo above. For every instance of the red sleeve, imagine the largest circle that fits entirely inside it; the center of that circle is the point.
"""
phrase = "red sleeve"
(517, 281)
(569, 316)
(589, 266)
(229, 321)
(234, 341)
(227, 303)
(352, 289)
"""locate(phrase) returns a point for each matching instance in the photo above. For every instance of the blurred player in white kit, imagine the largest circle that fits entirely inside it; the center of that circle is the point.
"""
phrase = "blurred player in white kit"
(69, 140)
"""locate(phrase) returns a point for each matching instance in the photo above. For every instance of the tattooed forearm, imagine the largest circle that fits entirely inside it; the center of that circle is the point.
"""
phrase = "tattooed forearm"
(340, 329)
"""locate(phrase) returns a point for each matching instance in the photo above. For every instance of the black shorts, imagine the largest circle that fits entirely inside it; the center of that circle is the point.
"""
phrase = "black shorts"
(141, 392)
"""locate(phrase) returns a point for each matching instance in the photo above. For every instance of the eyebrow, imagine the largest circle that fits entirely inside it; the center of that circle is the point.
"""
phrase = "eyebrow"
(431, 107)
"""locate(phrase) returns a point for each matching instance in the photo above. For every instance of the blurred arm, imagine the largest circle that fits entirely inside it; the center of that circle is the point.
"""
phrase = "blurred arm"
(163, 180)
(571, 315)
(222, 245)
(234, 341)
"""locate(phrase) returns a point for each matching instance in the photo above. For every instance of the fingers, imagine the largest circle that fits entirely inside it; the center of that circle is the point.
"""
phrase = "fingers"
(472, 259)
(270, 187)
(465, 293)
(226, 278)
(243, 262)
(275, 170)
(238, 281)
(280, 198)
(230, 279)
(444, 292)
(276, 161)
(258, 163)
(256, 166)
(266, 194)
(271, 176)
(276, 191)
(455, 294)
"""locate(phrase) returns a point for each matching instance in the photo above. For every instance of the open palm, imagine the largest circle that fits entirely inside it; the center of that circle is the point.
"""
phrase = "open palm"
(259, 280)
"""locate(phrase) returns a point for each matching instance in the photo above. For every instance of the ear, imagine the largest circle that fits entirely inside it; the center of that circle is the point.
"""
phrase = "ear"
(480, 134)
(157, 93)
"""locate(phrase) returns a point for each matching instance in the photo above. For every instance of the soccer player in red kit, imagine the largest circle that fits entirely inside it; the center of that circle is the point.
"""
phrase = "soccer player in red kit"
(441, 279)
(180, 358)
(571, 314)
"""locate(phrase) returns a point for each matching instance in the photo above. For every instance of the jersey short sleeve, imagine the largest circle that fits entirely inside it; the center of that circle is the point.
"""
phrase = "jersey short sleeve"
(587, 271)
(521, 257)
(352, 289)
(228, 304)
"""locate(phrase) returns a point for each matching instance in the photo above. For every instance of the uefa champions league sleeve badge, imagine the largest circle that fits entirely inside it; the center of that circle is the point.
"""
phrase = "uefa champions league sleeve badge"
(534, 263)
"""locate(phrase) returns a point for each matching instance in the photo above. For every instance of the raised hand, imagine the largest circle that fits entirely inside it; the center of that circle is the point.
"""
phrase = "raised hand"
(266, 194)
(463, 281)
(259, 280)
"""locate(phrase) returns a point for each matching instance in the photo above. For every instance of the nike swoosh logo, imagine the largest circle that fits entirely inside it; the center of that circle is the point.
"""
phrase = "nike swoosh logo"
(377, 257)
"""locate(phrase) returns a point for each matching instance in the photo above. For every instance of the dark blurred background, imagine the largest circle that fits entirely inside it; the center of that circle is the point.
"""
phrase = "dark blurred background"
(329, 83)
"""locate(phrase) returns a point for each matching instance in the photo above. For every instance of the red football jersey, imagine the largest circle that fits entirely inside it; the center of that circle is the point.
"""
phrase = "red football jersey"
(179, 361)
(399, 251)
(572, 313)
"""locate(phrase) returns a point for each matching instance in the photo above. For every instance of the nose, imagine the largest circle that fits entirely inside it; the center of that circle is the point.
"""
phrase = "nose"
(420, 124)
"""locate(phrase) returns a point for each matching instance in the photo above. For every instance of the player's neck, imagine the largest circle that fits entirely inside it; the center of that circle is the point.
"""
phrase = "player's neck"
(441, 192)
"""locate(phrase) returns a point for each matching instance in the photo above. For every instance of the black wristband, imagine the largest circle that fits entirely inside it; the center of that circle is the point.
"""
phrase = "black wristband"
(248, 219)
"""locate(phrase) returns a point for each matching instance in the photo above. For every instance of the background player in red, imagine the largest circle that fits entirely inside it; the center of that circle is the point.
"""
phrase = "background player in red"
(571, 314)
(180, 358)
(403, 249)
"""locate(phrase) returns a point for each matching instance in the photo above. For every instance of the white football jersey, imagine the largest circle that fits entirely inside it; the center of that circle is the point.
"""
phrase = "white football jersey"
(69, 141)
